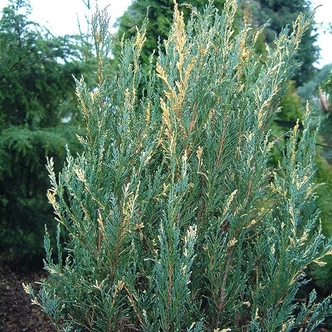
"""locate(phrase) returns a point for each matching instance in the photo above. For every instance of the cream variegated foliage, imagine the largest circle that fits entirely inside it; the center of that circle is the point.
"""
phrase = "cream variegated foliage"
(172, 218)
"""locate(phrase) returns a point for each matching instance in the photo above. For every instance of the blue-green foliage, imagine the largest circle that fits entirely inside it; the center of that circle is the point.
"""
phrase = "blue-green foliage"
(175, 220)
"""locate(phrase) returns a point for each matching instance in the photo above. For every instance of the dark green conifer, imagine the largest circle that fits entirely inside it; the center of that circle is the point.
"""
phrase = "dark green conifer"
(36, 92)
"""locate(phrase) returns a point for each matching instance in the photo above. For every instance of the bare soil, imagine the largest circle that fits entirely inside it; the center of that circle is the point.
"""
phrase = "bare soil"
(17, 314)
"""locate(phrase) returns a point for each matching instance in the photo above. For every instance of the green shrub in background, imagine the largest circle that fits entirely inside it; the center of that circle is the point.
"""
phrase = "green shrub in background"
(175, 221)
(36, 92)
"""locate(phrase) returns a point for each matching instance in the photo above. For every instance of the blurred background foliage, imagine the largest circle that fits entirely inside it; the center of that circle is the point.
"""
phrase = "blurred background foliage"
(38, 119)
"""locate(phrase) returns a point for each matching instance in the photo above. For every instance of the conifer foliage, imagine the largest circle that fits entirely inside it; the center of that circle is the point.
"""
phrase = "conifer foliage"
(175, 221)
(36, 92)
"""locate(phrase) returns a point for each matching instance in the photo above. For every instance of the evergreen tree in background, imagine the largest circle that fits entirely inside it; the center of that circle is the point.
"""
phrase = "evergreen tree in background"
(37, 90)
(278, 14)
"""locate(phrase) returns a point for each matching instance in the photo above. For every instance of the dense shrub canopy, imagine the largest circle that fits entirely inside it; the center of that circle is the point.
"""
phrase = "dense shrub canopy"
(175, 220)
